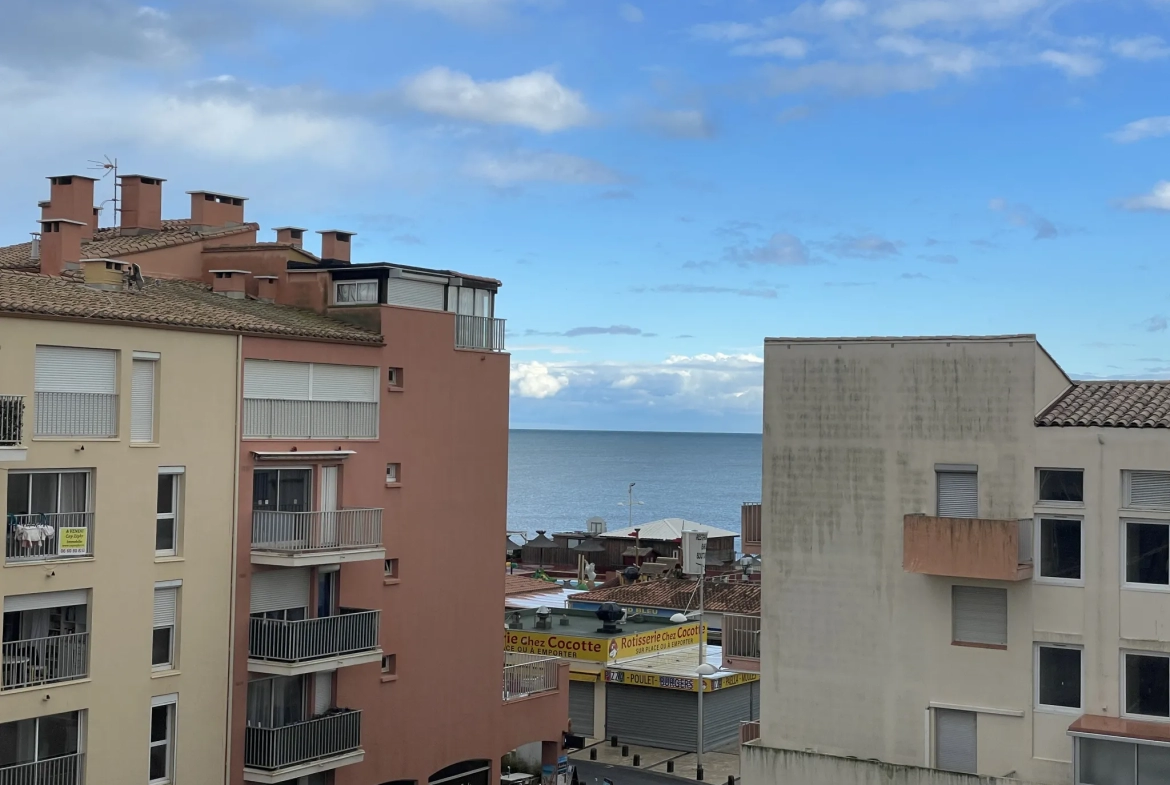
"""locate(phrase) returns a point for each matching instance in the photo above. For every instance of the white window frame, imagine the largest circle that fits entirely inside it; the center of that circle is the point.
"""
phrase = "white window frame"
(88, 483)
(1048, 502)
(173, 662)
(1045, 707)
(1037, 557)
(171, 703)
(1126, 479)
(394, 473)
(176, 516)
(337, 285)
(1122, 677)
(1124, 556)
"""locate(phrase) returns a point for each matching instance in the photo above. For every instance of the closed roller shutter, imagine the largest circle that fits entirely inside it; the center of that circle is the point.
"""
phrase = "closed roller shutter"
(166, 603)
(723, 711)
(142, 401)
(270, 379)
(652, 717)
(1148, 489)
(417, 294)
(72, 370)
(45, 599)
(344, 383)
(581, 707)
(979, 615)
(754, 686)
(958, 494)
(278, 589)
(955, 741)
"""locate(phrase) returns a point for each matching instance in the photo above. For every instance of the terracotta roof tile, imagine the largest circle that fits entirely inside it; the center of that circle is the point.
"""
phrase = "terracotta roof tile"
(111, 243)
(1111, 405)
(522, 584)
(181, 304)
(679, 594)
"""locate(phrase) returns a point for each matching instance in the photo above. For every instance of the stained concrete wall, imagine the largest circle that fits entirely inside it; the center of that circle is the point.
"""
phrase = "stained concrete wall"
(767, 766)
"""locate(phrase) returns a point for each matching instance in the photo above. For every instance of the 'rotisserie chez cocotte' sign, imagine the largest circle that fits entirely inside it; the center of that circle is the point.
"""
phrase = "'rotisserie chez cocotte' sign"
(580, 647)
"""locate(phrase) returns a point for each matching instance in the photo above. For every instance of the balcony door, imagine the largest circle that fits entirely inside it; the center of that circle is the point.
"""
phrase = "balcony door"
(282, 502)
(327, 501)
(41, 749)
(276, 701)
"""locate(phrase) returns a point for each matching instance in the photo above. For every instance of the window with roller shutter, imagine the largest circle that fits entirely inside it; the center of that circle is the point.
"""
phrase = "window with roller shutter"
(958, 493)
(76, 392)
(287, 400)
(956, 741)
(1146, 490)
(979, 616)
(142, 398)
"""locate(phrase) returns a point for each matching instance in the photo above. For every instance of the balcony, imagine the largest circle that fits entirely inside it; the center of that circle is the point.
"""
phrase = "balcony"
(996, 550)
(78, 415)
(63, 770)
(12, 428)
(741, 643)
(749, 730)
(39, 661)
(56, 535)
(526, 675)
(302, 748)
(270, 418)
(751, 526)
(479, 332)
(290, 648)
(284, 539)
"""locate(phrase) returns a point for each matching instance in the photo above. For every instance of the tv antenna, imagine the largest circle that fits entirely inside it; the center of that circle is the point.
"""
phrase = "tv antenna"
(631, 503)
(107, 166)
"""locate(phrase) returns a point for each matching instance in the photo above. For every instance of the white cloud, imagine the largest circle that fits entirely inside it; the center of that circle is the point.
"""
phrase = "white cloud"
(681, 123)
(858, 79)
(527, 166)
(534, 100)
(726, 31)
(550, 348)
(1074, 64)
(535, 380)
(843, 9)
(940, 56)
(1147, 47)
(1156, 200)
(781, 249)
(1146, 128)
(631, 13)
(792, 48)
(908, 14)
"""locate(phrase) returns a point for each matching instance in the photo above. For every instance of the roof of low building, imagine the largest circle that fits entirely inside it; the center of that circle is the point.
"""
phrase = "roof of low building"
(110, 242)
(679, 594)
(523, 584)
(667, 529)
(168, 303)
(1111, 404)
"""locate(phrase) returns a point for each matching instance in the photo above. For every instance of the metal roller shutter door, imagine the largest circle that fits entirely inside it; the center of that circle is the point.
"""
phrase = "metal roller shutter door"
(281, 588)
(958, 494)
(723, 711)
(754, 686)
(955, 741)
(581, 707)
(417, 294)
(652, 717)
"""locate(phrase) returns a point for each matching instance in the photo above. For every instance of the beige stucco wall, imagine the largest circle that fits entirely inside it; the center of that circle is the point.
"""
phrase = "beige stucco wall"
(196, 411)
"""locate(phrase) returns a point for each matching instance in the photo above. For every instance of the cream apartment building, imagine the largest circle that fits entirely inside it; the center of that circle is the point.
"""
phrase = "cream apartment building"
(966, 568)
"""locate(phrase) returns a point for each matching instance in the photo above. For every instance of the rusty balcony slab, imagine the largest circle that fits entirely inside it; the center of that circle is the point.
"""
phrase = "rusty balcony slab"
(980, 548)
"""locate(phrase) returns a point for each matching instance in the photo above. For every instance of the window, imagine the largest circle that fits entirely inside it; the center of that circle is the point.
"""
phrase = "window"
(166, 602)
(390, 568)
(162, 739)
(142, 398)
(1146, 553)
(955, 740)
(393, 473)
(1062, 485)
(394, 377)
(355, 292)
(285, 400)
(1150, 490)
(1147, 684)
(979, 616)
(76, 392)
(277, 701)
(1059, 546)
(39, 739)
(166, 527)
(958, 492)
(1109, 762)
(390, 664)
(1058, 677)
(45, 638)
(48, 515)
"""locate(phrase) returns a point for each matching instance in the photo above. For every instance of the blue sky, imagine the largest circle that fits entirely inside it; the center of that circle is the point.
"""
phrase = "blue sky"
(659, 184)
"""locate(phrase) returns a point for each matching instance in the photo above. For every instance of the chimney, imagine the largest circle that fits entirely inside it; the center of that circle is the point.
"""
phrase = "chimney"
(95, 221)
(109, 275)
(60, 245)
(230, 283)
(214, 211)
(335, 245)
(34, 247)
(72, 197)
(141, 204)
(46, 209)
(290, 234)
(266, 287)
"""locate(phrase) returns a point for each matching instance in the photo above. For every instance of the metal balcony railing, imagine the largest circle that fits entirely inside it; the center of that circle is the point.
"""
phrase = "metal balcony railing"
(272, 749)
(270, 418)
(741, 636)
(749, 730)
(92, 415)
(37, 661)
(49, 535)
(65, 770)
(751, 524)
(297, 532)
(11, 420)
(350, 632)
(479, 332)
(528, 674)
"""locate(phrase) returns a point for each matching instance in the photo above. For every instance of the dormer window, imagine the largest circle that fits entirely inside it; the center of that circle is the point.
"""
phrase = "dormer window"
(355, 292)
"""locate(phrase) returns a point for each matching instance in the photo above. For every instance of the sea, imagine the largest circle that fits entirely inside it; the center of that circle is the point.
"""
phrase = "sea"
(559, 479)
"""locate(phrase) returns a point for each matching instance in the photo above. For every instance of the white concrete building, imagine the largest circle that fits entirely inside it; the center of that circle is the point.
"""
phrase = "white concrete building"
(966, 568)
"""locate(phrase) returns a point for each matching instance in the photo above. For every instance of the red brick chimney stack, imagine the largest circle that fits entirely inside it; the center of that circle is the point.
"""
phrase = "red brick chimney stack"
(60, 244)
(335, 245)
(141, 204)
(211, 210)
(71, 197)
(290, 234)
